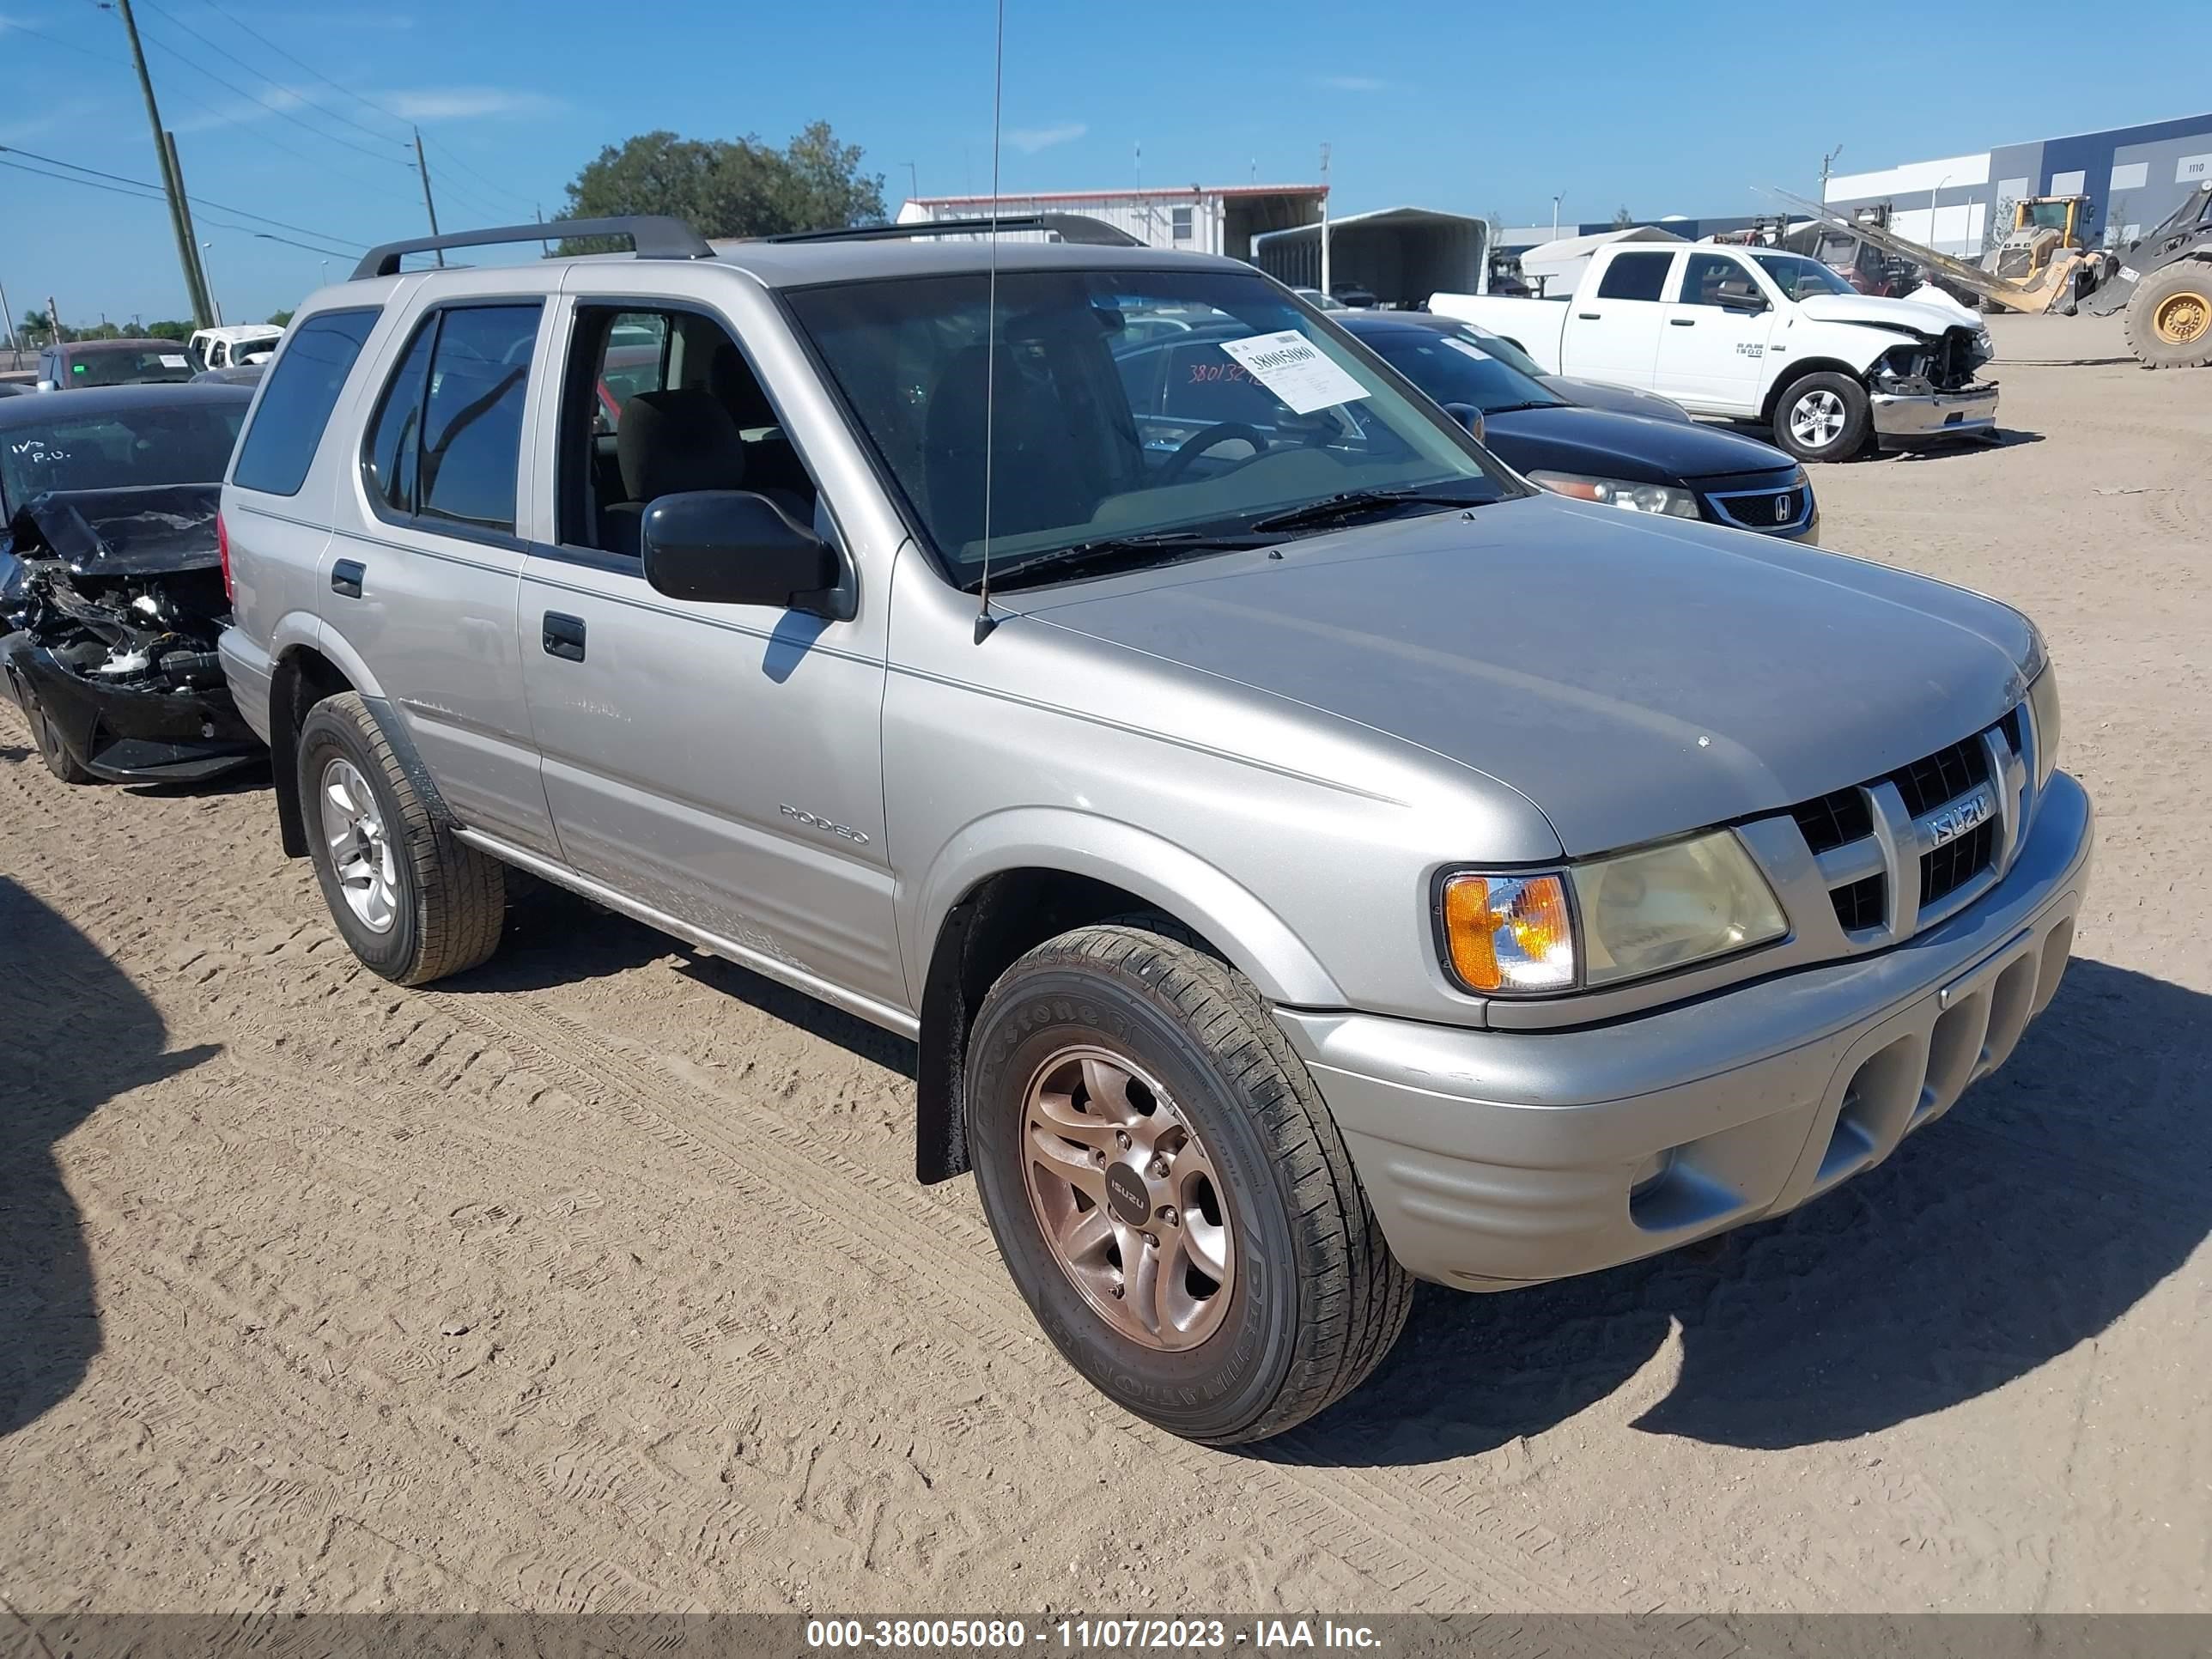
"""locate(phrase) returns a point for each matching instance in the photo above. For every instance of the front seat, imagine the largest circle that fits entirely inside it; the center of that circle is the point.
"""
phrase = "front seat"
(771, 466)
(669, 443)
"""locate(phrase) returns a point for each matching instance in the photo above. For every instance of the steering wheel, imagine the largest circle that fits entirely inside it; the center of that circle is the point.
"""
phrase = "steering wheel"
(1205, 439)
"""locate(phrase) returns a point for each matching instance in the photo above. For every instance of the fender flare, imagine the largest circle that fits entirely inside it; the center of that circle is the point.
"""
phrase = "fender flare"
(1255, 940)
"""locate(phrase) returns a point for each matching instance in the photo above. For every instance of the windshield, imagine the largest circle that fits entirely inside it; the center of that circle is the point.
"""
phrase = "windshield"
(1452, 369)
(129, 366)
(2048, 216)
(118, 448)
(1800, 278)
(1107, 427)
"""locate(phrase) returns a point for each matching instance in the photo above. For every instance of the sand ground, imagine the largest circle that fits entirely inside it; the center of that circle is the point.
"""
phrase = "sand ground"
(595, 1279)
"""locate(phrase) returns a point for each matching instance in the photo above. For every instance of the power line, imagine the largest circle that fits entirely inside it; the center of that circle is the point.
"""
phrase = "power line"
(217, 47)
(445, 151)
(137, 196)
(220, 207)
(285, 115)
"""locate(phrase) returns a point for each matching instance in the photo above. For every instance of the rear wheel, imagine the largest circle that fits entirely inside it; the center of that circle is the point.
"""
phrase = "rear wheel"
(2169, 320)
(1168, 1192)
(1823, 417)
(412, 902)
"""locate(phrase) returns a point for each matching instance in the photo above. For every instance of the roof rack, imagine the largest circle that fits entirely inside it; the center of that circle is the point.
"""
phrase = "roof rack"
(652, 236)
(1068, 227)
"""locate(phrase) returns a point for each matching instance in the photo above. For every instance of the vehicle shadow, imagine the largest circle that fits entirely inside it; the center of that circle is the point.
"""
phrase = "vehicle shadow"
(2042, 1207)
(555, 937)
(78, 1034)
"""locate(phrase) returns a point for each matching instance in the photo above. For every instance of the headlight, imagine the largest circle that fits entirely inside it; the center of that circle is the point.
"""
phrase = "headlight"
(2043, 708)
(1619, 492)
(1633, 914)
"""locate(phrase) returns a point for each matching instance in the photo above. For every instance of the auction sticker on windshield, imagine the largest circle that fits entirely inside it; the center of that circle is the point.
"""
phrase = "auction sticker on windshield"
(1296, 370)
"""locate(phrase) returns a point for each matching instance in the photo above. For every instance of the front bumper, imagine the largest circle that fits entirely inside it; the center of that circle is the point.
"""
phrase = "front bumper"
(126, 734)
(1503, 1158)
(1936, 414)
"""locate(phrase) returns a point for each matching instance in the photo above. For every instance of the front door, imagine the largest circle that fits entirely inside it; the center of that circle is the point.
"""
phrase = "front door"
(718, 763)
(1712, 351)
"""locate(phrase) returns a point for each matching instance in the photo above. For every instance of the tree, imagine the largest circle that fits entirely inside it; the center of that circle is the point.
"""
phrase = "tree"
(730, 187)
(280, 319)
(169, 330)
(1622, 218)
(37, 325)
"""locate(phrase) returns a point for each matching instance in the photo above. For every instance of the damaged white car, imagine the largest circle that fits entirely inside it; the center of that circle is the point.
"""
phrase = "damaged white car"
(112, 589)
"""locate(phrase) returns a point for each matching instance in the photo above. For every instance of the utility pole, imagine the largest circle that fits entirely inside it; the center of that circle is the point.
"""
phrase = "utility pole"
(193, 291)
(1324, 219)
(913, 182)
(1827, 166)
(192, 235)
(544, 246)
(15, 340)
(1556, 200)
(429, 206)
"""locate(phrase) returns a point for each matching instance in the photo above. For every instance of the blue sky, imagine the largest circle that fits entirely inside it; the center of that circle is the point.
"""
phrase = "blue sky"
(1471, 108)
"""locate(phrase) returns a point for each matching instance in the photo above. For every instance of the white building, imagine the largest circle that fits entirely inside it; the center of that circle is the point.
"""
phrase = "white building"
(1191, 219)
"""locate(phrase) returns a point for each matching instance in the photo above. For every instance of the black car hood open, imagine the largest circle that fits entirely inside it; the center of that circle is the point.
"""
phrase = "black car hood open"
(1602, 444)
(148, 530)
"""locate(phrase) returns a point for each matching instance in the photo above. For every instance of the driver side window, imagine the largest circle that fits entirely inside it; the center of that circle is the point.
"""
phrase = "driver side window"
(1715, 279)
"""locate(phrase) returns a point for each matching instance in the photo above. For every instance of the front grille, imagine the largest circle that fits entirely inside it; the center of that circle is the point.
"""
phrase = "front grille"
(1871, 841)
(1955, 863)
(1859, 904)
(1777, 505)
(1942, 776)
(1834, 820)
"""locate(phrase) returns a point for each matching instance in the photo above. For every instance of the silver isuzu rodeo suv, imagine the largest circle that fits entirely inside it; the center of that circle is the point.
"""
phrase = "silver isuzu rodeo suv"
(1308, 857)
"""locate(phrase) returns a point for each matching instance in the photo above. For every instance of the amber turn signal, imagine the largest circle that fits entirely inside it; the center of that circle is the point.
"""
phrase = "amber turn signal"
(1509, 934)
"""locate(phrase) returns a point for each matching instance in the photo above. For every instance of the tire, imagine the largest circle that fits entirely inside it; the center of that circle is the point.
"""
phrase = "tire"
(59, 762)
(428, 906)
(1306, 1299)
(2169, 319)
(1835, 405)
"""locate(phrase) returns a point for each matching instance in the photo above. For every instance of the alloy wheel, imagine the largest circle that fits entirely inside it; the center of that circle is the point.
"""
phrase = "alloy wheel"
(1817, 418)
(360, 851)
(1126, 1197)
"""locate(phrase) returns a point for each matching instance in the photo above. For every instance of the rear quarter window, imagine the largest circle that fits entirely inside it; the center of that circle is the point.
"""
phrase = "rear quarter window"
(295, 404)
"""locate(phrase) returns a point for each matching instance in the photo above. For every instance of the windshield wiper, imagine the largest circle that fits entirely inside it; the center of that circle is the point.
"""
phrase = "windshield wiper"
(1115, 550)
(1353, 502)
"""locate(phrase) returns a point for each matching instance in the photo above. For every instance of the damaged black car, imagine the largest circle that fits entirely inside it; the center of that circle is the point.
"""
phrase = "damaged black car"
(111, 586)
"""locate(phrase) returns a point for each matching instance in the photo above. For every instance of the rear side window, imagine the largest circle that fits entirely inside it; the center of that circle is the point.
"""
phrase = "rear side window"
(448, 436)
(295, 405)
(1635, 277)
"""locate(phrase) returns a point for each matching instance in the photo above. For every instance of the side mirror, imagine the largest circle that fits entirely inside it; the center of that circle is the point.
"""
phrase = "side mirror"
(1749, 304)
(46, 385)
(1468, 417)
(734, 547)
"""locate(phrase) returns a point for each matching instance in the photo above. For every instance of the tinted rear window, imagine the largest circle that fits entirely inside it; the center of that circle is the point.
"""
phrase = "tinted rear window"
(297, 403)
(1635, 277)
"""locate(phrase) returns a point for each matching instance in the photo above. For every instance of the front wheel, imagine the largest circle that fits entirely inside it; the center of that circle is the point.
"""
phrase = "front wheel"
(1823, 417)
(1169, 1193)
(2169, 319)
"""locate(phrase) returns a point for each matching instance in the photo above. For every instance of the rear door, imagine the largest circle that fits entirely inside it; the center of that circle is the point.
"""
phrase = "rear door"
(1612, 333)
(1712, 351)
(422, 577)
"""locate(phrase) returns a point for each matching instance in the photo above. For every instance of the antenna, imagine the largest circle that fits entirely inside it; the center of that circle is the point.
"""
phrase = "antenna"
(984, 624)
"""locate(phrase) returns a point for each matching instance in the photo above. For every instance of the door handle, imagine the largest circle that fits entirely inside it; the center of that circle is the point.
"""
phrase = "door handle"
(345, 578)
(1588, 316)
(563, 637)
(1682, 322)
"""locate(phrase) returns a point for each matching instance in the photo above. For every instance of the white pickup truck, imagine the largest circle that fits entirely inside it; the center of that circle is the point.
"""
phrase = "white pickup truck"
(1757, 335)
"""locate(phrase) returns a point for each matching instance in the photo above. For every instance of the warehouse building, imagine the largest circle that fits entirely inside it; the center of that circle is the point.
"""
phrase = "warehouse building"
(1190, 219)
(2134, 177)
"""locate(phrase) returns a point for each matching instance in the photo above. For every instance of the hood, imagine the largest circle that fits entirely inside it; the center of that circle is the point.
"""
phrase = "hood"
(1907, 316)
(1635, 677)
(145, 531)
(1609, 445)
(1622, 400)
